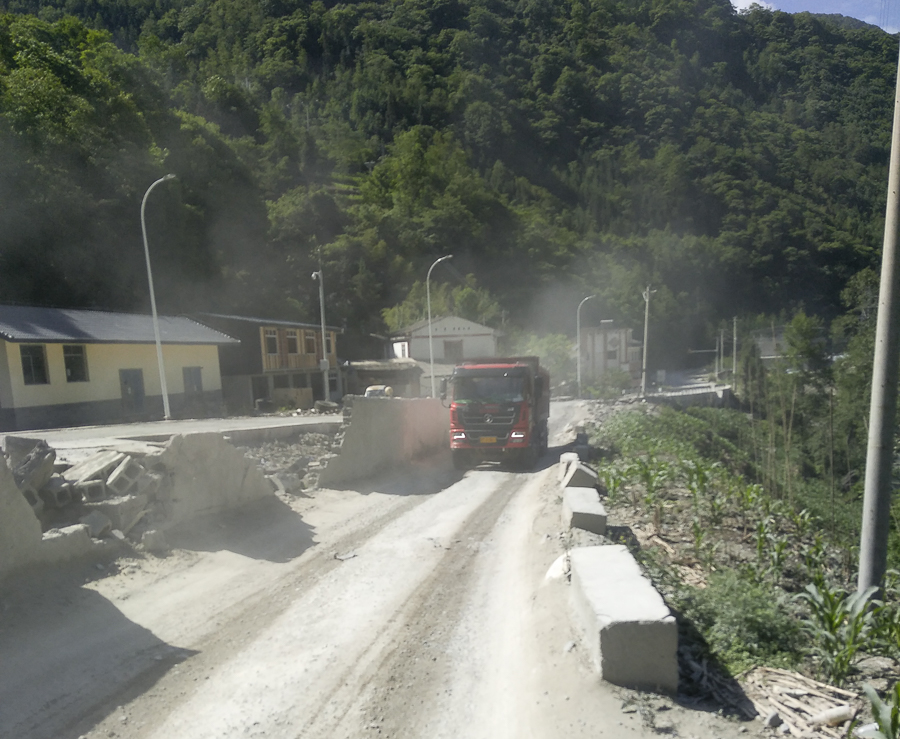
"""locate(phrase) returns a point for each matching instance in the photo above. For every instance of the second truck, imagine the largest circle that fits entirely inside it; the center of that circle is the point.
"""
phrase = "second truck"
(499, 408)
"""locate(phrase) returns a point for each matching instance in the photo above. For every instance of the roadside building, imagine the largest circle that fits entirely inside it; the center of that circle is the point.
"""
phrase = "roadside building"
(277, 364)
(609, 348)
(453, 340)
(63, 367)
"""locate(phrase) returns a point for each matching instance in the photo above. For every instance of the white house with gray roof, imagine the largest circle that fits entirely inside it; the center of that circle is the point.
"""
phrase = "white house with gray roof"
(62, 367)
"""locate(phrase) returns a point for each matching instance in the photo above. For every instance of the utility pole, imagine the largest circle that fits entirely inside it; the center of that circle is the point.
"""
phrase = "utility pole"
(324, 364)
(876, 519)
(734, 357)
(647, 293)
(578, 342)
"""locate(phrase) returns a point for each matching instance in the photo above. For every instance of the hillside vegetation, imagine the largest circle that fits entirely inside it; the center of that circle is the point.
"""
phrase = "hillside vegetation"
(558, 148)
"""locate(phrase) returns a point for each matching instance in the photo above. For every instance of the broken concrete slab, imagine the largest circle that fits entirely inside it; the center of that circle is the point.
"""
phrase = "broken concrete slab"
(66, 543)
(630, 635)
(97, 524)
(121, 511)
(17, 448)
(207, 474)
(582, 509)
(579, 475)
(35, 469)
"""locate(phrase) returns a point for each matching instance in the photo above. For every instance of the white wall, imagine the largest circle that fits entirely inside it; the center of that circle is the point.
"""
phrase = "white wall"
(478, 340)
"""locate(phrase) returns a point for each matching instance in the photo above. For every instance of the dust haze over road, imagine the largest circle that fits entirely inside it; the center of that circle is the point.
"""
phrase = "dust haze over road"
(416, 605)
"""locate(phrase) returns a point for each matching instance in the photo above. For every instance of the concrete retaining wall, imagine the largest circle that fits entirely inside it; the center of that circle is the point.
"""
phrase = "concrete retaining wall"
(385, 431)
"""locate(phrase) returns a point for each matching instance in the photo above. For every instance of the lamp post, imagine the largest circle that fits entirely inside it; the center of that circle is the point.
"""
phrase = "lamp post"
(323, 365)
(428, 301)
(578, 341)
(647, 293)
(159, 357)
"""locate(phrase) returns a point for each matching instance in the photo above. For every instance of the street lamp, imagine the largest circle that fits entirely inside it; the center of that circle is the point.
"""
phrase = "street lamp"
(323, 365)
(159, 357)
(578, 341)
(647, 293)
(428, 301)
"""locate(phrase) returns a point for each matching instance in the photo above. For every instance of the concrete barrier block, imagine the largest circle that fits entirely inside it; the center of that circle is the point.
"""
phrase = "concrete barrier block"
(630, 634)
(579, 475)
(582, 509)
(565, 459)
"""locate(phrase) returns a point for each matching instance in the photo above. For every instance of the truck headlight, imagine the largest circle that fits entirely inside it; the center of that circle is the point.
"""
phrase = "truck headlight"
(459, 436)
(517, 435)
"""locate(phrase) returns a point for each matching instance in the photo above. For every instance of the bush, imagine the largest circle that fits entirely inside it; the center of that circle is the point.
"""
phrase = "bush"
(744, 623)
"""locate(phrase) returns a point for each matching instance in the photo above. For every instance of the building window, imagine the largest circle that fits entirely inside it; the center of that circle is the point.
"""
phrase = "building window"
(75, 359)
(309, 342)
(34, 364)
(193, 380)
(401, 349)
(293, 346)
(281, 381)
(271, 341)
(329, 343)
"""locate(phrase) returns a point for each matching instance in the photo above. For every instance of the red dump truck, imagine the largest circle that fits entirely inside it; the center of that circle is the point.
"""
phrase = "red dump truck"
(498, 411)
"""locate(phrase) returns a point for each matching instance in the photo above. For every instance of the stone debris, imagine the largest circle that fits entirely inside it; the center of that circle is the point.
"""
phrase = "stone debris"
(126, 478)
(57, 492)
(90, 490)
(35, 469)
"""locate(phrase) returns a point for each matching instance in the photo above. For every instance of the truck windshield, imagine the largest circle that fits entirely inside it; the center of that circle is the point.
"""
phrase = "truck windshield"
(490, 389)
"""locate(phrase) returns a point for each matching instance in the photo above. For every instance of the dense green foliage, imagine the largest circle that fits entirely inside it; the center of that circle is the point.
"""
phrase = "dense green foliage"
(557, 148)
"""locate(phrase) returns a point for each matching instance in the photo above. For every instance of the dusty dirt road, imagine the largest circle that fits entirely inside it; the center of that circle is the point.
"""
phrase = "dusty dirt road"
(416, 606)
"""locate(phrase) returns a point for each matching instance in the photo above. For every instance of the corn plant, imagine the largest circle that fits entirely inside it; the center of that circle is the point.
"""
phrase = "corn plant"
(613, 478)
(885, 713)
(840, 625)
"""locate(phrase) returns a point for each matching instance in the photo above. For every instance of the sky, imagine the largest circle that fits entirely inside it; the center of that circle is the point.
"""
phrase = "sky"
(883, 13)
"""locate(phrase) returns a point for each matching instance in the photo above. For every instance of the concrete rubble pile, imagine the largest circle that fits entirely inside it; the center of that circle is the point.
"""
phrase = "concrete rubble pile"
(52, 509)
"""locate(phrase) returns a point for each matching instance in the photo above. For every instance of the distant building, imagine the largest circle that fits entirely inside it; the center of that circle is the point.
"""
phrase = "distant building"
(63, 368)
(277, 363)
(608, 347)
(453, 339)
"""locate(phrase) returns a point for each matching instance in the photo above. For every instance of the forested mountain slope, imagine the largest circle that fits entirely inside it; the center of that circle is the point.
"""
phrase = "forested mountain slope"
(557, 148)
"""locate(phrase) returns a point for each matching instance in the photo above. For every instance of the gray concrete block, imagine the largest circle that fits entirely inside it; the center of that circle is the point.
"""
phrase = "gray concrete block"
(57, 492)
(631, 636)
(582, 509)
(124, 478)
(91, 490)
(579, 475)
(95, 467)
(565, 460)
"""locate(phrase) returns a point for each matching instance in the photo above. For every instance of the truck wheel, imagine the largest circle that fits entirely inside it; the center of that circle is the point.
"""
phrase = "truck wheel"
(528, 458)
(460, 459)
